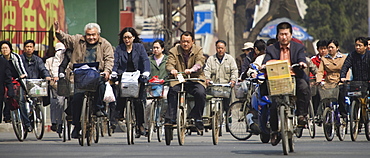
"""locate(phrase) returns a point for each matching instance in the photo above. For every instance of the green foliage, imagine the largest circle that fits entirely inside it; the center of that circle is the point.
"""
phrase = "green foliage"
(343, 20)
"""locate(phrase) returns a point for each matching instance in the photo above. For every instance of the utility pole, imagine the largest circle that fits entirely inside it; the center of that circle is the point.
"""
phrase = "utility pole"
(186, 11)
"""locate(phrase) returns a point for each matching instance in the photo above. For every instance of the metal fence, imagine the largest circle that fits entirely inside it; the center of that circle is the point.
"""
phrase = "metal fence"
(44, 40)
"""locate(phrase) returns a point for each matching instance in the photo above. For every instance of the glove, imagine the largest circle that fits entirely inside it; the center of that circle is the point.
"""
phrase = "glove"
(146, 74)
(61, 75)
(114, 74)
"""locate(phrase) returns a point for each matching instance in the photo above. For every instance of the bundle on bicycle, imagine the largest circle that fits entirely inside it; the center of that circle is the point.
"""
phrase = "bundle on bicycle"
(88, 95)
(184, 119)
(333, 123)
(360, 112)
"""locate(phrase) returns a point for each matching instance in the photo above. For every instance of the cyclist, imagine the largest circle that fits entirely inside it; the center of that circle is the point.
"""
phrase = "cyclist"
(158, 66)
(359, 61)
(221, 68)
(285, 49)
(332, 65)
(56, 101)
(186, 57)
(130, 55)
(86, 48)
(35, 69)
(10, 64)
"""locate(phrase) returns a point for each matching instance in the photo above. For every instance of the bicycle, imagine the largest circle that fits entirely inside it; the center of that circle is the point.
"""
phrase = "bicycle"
(15, 112)
(332, 122)
(360, 112)
(182, 123)
(155, 92)
(36, 88)
(215, 108)
(236, 115)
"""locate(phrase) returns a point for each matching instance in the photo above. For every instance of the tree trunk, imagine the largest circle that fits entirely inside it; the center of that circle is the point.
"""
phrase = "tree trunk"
(240, 23)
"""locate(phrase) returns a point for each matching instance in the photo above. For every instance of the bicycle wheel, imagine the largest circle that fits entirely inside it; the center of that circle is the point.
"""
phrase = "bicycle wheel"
(83, 120)
(311, 121)
(129, 120)
(283, 129)
(18, 126)
(39, 122)
(341, 128)
(265, 138)
(181, 126)
(64, 122)
(215, 127)
(236, 122)
(151, 120)
(160, 130)
(89, 124)
(96, 129)
(366, 123)
(299, 132)
(168, 134)
(355, 116)
(328, 124)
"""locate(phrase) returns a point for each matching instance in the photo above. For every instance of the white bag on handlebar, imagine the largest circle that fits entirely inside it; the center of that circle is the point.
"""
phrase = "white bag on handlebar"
(130, 84)
(108, 94)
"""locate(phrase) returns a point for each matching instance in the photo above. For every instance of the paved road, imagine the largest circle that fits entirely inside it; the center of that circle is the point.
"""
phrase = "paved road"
(195, 147)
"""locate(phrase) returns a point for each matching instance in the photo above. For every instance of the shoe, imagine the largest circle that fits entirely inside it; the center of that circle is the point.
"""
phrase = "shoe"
(7, 119)
(169, 122)
(54, 127)
(255, 129)
(302, 121)
(60, 128)
(199, 125)
(101, 113)
(29, 128)
(76, 133)
(275, 138)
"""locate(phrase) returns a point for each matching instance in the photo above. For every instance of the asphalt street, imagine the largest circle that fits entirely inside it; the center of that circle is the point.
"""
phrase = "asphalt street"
(195, 147)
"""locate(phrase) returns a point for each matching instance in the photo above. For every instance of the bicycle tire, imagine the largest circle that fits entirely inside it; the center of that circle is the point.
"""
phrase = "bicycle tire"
(39, 122)
(311, 121)
(355, 116)
(17, 124)
(341, 129)
(64, 123)
(168, 134)
(367, 124)
(328, 124)
(96, 129)
(283, 129)
(90, 124)
(236, 121)
(215, 127)
(159, 132)
(129, 119)
(83, 120)
(181, 127)
(151, 120)
(299, 132)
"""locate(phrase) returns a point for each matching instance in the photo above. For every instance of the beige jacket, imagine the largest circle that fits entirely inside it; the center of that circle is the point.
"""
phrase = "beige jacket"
(104, 51)
(332, 68)
(176, 61)
(221, 72)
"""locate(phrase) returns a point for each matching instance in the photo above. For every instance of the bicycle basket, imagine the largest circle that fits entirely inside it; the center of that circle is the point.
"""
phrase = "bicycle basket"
(241, 89)
(130, 86)
(86, 78)
(219, 91)
(37, 87)
(154, 90)
(357, 88)
(281, 86)
(329, 92)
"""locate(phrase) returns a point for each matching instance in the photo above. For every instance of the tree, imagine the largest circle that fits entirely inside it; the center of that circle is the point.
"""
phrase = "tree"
(342, 20)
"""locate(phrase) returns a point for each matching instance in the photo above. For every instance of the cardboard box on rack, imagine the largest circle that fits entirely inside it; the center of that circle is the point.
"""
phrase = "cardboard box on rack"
(278, 69)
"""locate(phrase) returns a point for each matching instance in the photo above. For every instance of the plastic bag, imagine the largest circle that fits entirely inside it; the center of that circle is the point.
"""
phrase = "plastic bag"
(108, 94)
(130, 84)
(155, 79)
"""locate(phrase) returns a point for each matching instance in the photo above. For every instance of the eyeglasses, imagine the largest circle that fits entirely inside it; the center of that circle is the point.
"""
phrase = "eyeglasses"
(156, 47)
(127, 37)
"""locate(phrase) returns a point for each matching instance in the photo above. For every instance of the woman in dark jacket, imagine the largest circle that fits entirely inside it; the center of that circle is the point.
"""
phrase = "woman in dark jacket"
(130, 56)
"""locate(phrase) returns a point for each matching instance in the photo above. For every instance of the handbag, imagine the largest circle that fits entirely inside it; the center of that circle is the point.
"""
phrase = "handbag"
(108, 94)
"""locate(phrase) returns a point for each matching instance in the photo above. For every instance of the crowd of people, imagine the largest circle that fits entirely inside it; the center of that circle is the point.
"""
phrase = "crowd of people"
(329, 66)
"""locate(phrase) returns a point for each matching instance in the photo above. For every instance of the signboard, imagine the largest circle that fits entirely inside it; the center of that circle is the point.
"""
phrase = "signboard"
(203, 22)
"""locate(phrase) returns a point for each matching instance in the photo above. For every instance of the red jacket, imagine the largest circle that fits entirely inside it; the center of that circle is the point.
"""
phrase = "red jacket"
(316, 60)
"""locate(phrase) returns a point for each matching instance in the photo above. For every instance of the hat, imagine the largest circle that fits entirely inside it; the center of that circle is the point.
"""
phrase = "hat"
(248, 45)
(59, 46)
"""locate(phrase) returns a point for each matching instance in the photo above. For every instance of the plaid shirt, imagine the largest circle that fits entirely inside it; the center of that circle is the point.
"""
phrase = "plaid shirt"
(360, 65)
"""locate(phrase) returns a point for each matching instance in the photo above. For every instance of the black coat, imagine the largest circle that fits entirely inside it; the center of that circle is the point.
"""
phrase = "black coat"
(5, 79)
(297, 55)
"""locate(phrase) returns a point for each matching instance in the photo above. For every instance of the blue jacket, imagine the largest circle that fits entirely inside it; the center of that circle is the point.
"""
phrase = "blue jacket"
(139, 58)
(35, 67)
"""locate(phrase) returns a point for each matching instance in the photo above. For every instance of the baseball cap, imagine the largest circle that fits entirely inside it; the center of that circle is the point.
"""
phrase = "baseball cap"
(248, 45)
